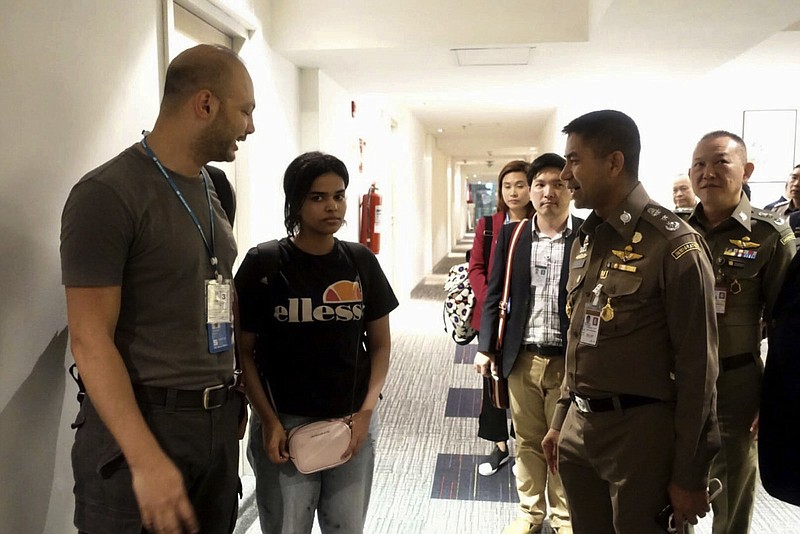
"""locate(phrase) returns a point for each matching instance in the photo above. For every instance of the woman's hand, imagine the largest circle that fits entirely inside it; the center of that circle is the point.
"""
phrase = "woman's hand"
(360, 429)
(274, 437)
(483, 363)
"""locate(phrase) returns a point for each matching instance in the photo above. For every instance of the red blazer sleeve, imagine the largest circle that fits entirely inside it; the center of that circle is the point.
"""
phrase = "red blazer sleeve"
(478, 272)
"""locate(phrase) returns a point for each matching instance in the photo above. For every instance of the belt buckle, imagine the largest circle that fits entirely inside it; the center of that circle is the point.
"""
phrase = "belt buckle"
(207, 397)
(582, 404)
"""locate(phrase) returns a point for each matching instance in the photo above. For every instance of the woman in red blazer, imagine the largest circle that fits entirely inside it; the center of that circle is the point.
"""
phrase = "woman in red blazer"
(513, 204)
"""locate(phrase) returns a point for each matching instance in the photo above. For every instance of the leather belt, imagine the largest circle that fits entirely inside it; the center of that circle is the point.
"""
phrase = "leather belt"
(209, 398)
(545, 351)
(606, 404)
(736, 361)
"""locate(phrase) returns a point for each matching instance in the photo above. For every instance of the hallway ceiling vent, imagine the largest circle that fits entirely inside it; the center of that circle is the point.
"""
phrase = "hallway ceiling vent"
(492, 57)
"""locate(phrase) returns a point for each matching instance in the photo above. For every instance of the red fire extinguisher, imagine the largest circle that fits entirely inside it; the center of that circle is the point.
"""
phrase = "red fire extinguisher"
(370, 234)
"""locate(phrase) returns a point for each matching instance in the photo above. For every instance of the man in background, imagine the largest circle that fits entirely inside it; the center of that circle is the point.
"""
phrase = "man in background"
(535, 338)
(789, 203)
(683, 195)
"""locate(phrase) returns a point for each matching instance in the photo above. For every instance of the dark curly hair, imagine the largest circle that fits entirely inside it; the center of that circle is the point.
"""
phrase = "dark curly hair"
(297, 180)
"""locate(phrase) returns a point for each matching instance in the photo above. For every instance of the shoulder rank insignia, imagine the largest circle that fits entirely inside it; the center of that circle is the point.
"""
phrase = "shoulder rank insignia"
(627, 255)
(672, 225)
(655, 212)
(744, 243)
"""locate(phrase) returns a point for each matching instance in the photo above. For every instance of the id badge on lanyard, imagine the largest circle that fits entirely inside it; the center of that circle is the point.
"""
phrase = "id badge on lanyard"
(591, 319)
(219, 315)
(219, 291)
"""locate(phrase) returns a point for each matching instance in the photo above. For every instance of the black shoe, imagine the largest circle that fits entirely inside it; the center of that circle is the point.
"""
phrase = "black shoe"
(493, 462)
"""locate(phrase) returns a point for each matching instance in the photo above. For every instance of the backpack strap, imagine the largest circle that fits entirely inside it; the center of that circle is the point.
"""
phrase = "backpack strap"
(488, 235)
(269, 259)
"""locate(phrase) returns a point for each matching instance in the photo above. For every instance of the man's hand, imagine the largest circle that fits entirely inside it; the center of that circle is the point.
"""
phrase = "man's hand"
(550, 448)
(483, 363)
(360, 429)
(687, 505)
(163, 502)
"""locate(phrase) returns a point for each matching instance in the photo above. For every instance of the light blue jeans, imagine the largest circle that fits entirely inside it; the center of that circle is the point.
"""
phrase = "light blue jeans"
(287, 500)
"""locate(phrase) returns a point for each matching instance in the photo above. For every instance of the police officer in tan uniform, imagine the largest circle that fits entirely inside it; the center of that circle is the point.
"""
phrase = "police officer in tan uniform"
(751, 249)
(636, 427)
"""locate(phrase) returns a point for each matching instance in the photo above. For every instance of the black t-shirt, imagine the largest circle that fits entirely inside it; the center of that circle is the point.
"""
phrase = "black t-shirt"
(309, 319)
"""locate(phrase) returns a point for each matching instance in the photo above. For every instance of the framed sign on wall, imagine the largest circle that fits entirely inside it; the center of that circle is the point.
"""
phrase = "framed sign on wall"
(771, 138)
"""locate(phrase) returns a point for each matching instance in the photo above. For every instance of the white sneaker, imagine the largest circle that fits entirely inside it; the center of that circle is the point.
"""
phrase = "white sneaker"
(493, 462)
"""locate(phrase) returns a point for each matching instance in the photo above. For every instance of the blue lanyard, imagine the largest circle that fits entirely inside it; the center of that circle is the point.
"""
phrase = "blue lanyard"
(209, 248)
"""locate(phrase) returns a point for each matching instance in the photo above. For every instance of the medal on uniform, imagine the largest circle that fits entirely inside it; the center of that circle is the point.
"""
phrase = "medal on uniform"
(607, 313)
(736, 287)
(219, 315)
(637, 237)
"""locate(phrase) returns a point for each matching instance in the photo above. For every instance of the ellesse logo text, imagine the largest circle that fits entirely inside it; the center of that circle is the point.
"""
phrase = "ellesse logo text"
(302, 311)
(341, 301)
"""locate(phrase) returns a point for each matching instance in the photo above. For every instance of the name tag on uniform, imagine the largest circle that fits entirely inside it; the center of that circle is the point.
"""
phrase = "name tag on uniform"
(591, 326)
(219, 315)
(720, 299)
(539, 278)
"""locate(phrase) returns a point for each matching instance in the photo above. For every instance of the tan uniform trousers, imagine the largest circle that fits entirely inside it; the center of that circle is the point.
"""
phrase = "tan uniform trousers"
(735, 464)
(616, 466)
(534, 389)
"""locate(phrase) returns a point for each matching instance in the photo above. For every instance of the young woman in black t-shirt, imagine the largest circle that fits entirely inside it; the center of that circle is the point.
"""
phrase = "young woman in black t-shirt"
(303, 315)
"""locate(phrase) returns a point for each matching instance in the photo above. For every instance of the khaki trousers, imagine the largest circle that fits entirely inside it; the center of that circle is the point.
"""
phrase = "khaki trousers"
(738, 395)
(534, 389)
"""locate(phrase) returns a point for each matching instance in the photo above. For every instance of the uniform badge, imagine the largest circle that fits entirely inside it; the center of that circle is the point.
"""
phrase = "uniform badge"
(655, 212)
(637, 237)
(749, 254)
(672, 226)
(742, 215)
(627, 255)
(683, 249)
(744, 242)
(779, 221)
(625, 217)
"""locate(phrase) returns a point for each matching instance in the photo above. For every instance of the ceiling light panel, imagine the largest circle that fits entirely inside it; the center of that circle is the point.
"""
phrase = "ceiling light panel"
(490, 57)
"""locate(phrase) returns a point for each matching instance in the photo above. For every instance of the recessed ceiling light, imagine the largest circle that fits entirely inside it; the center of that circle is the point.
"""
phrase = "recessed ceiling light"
(440, 130)
(487, 57)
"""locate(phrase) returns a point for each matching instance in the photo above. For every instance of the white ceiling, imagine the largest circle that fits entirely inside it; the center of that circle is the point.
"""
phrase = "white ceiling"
(404, 49)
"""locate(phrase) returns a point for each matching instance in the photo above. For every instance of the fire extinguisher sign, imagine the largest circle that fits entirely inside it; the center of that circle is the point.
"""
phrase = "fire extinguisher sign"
(378, 219)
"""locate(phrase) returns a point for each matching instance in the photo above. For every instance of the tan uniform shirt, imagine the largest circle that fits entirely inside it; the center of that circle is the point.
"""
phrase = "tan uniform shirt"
(750, 253)
(649, 274)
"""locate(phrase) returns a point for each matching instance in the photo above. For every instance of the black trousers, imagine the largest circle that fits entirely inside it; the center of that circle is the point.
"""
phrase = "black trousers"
(203, 444)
